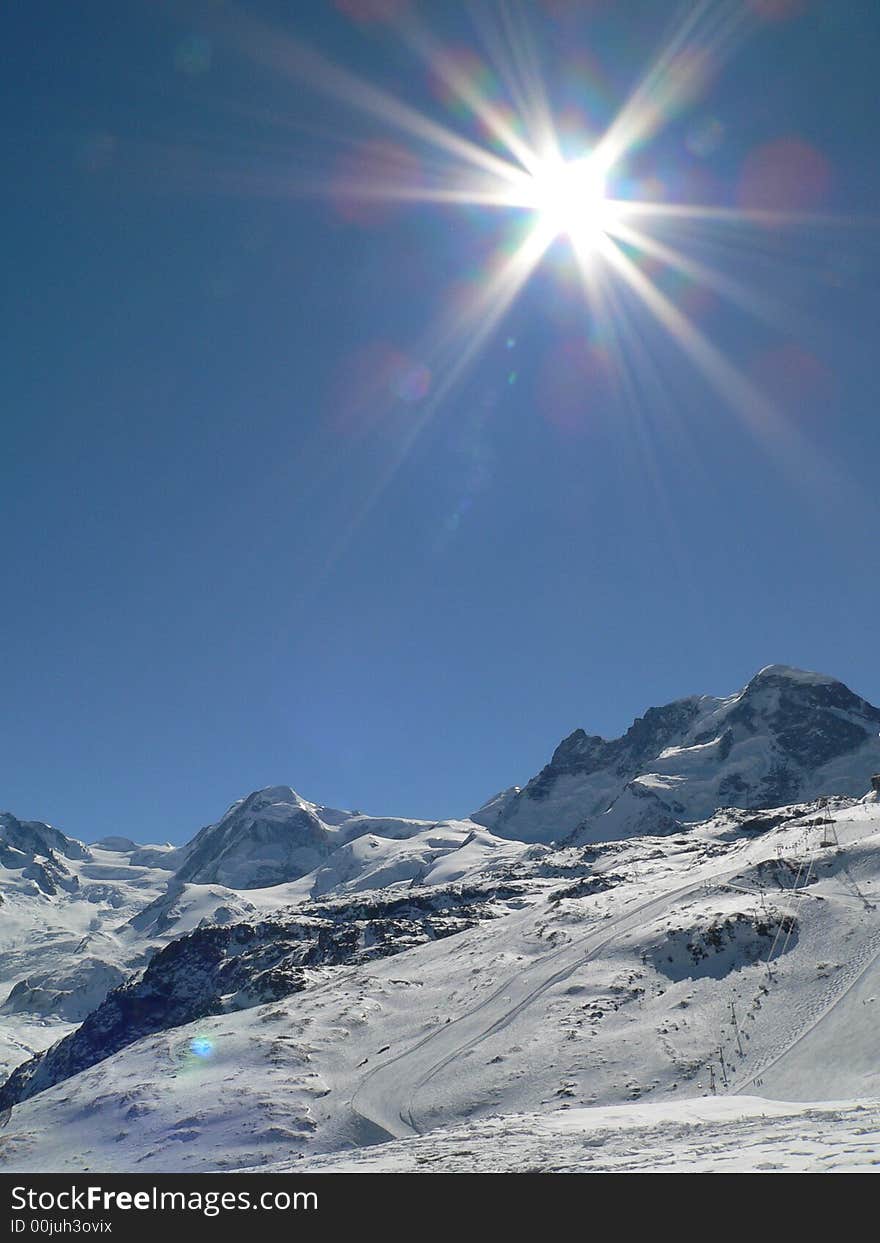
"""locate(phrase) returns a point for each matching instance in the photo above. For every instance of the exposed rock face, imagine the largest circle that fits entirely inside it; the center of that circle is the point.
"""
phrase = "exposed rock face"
(722, 946)
(216, 969)
(37, 852)
(582, 754)
(788, 736)
(32, 837)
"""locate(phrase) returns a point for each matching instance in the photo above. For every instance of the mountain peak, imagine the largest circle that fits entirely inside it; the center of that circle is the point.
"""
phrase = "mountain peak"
(266, 796)
(268, 837)
(35, 837)
(790, 735)
(790, 673)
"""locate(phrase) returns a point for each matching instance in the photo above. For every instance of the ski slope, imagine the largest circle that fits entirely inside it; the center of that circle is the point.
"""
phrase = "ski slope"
(387, 1097)
(831, 1038)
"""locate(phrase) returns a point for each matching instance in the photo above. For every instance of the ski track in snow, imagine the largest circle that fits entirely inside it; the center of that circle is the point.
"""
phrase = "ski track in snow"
(808, 1016)
(386, 1096)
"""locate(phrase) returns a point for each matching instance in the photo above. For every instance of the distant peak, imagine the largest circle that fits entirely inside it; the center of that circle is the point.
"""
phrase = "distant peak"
(123, 845)
(791, 674)
(268, 796)
(278, 794)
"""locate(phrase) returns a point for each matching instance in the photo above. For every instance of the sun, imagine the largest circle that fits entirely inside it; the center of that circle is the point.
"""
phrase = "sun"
(569, 199)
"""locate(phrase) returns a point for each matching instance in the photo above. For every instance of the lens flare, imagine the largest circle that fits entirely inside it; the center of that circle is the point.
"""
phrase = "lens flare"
(201, 1046)
(533, 161)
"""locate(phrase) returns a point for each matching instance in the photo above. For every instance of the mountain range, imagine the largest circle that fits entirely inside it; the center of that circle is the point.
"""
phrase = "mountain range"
(109, 947)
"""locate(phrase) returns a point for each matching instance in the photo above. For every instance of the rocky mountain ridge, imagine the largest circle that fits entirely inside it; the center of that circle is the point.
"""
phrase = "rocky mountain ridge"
(787, 736)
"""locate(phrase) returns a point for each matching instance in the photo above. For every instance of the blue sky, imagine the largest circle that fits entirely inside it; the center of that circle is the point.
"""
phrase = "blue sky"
(252, 531)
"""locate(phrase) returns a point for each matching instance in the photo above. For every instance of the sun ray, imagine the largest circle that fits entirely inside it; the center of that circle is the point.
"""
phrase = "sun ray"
(295, 59)
(737, 216)
(677, 75)
(456, 79)
(738, 392)
(764, 309)
(537, 114)
(459, 340)
(793, 454)
(645, 399)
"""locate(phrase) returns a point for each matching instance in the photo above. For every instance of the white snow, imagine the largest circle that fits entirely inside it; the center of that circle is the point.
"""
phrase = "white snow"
(721, 1134)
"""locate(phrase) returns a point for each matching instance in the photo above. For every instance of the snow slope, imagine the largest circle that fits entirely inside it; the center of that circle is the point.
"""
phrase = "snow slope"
(709, 1134)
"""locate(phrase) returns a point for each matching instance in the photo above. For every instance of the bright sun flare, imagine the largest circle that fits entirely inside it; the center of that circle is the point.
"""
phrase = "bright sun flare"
(515, 163)
(569, 199)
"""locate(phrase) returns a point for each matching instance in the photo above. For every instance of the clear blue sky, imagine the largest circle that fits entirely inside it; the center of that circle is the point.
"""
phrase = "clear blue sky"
(228, 560)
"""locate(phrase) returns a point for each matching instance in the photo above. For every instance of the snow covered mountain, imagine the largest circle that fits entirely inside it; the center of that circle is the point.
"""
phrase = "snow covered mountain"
(301, 980)
(271, 836)
(32, 854)
(786, 737)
